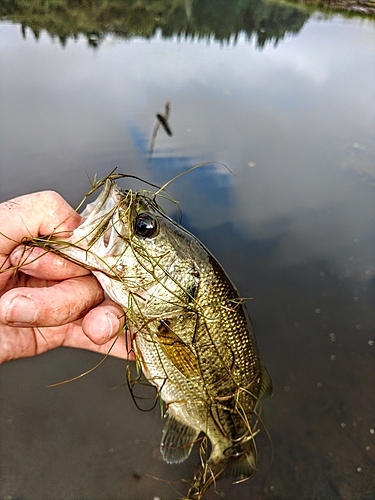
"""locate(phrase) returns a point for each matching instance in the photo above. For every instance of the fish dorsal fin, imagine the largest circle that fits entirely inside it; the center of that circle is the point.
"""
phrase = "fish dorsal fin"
(177, 440)
(266, 383)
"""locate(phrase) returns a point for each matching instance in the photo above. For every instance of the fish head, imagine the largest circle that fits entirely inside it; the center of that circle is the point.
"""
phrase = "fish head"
(137, 252)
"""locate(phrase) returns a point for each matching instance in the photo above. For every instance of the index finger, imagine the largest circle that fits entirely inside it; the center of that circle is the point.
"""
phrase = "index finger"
(44, 264)
(33, 215)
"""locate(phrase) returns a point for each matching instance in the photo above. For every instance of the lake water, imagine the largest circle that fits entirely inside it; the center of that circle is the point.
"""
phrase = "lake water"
(293, 225)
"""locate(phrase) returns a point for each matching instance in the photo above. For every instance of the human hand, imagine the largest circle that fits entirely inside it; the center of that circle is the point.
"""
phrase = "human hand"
(50, 302)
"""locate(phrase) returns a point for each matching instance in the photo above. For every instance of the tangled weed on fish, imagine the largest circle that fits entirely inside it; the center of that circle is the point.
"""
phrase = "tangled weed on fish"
(188, 356)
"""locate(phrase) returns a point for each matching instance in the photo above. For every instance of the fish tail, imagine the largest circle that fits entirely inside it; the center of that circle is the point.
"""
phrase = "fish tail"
(239, 461)
(242, 466)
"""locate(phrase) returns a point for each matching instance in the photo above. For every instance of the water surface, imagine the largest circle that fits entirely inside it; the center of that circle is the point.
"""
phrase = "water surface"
(293, 225)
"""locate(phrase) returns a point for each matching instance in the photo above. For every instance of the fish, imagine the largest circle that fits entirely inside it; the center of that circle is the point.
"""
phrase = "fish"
(190, 330)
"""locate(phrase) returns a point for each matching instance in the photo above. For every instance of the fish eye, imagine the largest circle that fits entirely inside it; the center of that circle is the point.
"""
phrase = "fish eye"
(145, 225)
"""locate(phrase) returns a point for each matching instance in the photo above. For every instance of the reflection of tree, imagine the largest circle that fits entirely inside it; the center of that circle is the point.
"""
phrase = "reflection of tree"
(218, 19)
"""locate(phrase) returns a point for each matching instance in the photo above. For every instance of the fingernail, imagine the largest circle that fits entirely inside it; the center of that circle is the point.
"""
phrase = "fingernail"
(21, 310)
(20, 255)
(17, 254)
(111, 324)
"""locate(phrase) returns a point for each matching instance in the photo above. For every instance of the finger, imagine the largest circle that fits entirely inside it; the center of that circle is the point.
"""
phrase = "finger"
(103, 322)
(16, 342)
(117, 346)
(35, 214)
(30, 216)
(50, 306)
(44, 265)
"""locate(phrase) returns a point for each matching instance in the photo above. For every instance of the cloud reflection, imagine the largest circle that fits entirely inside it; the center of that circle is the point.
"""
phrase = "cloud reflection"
(290, 111)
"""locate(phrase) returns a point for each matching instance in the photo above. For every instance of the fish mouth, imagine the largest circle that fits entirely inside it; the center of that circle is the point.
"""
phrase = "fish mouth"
(102, 226)
(103, 204)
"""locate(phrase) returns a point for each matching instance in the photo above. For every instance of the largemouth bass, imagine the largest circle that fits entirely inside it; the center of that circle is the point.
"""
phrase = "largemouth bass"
(190, 330)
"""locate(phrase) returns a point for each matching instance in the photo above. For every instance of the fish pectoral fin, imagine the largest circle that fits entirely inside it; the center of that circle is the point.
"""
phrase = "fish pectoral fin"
(266, 387)
(177, 351)
(177, 440)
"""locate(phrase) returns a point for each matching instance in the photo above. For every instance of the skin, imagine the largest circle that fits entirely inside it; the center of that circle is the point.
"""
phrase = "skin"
(50, 302)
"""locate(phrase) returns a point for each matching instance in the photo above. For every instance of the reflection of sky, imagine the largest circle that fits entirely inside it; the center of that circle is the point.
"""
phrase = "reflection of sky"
(291, 111)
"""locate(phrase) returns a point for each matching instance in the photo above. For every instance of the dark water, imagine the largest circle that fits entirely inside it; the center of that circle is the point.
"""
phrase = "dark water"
(293, 226)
